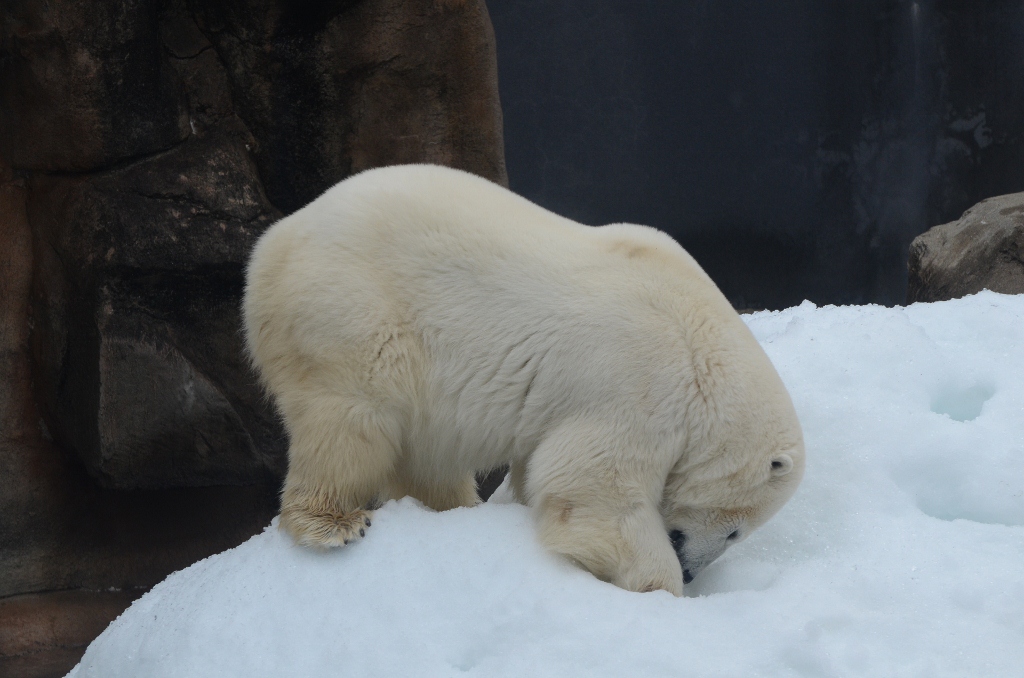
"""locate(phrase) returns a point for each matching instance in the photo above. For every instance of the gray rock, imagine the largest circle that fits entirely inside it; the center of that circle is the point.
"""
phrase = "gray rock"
(984, 249)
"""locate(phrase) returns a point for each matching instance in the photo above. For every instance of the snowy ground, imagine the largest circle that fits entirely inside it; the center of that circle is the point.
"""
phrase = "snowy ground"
(902, 554)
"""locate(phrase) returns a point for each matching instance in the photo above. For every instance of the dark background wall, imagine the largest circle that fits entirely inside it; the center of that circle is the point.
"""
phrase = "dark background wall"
(795, 147)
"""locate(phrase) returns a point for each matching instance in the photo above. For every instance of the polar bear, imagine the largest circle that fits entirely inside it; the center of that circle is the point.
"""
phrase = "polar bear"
(416, 324)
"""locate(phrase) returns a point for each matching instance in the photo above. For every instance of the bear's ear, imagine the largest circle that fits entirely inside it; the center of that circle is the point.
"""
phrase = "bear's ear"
(781, 465)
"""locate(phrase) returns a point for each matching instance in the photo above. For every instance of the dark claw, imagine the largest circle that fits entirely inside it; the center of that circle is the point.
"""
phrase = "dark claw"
(346, 542)
(367, 521)
(362, 532)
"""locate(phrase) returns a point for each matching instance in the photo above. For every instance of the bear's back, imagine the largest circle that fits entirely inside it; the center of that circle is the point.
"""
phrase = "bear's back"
(517, 316)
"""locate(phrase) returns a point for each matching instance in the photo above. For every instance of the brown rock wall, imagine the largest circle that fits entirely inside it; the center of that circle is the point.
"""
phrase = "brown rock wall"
(44, 634)
(144, 146)
(86, 84)
(138, 347)
(329, 89)
(188, 117)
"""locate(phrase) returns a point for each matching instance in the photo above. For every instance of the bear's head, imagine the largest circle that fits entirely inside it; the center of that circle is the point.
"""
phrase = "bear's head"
(704, 521)
(740, 472)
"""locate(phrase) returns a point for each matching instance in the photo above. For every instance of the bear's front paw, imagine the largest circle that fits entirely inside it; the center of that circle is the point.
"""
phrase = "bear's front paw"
(648, 576)
(325, 529)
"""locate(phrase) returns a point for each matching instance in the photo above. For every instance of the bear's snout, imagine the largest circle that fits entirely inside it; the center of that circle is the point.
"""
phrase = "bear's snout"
(697, 552)
(678, 540)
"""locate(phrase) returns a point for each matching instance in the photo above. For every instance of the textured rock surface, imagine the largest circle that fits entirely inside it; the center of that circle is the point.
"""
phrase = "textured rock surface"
(58, 528)
(86, 84)
(984, 249)
(140, 368)
(336, 87)
(144, 146)
(156, 142)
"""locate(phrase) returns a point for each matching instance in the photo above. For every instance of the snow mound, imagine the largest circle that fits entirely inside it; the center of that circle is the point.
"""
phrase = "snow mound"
(900, 555)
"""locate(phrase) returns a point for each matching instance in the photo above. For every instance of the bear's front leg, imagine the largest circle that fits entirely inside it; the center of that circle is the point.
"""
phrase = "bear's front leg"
(622, 543)
(598, 505)
(648, 561)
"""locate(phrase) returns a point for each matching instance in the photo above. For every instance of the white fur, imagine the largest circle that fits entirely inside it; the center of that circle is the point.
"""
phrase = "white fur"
(416, 324)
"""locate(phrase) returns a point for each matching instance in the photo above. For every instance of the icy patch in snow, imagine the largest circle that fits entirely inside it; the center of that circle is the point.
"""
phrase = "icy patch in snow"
(900, 555)
(962, 404)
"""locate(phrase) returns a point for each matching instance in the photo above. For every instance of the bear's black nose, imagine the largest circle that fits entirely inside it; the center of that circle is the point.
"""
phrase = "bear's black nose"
(687, 577)
(678, 539)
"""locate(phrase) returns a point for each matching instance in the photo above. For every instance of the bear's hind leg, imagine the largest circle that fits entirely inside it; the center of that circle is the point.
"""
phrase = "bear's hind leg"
(340, 459)
(441, 495)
